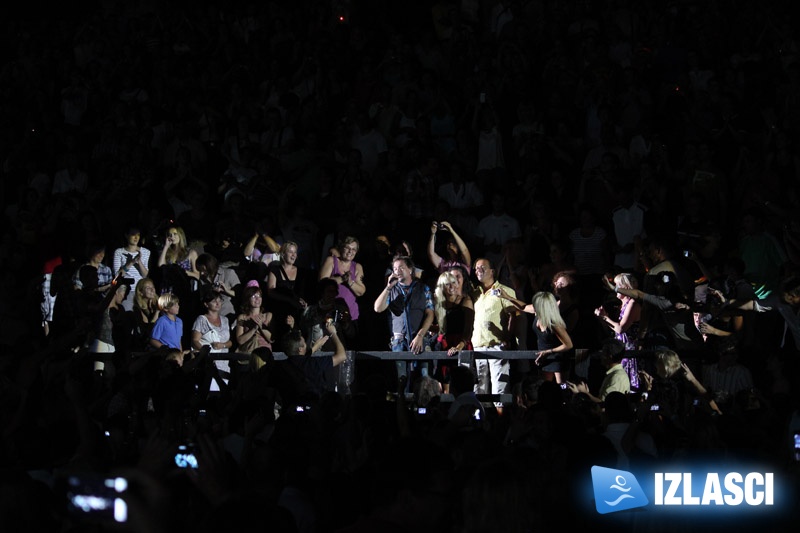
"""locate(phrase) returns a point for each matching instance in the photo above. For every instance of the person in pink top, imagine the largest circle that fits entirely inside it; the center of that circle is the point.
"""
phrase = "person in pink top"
(342, 267)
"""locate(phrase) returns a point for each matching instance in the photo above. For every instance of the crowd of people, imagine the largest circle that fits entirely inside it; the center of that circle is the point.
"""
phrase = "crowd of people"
(190, 190)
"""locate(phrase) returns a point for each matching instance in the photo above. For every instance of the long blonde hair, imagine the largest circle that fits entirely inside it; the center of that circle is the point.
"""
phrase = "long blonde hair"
(177, 252)
(142, 302)
(440, 296)
(547, 313)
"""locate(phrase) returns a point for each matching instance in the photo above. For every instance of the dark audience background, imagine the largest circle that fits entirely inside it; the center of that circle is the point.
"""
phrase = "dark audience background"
(310, 120)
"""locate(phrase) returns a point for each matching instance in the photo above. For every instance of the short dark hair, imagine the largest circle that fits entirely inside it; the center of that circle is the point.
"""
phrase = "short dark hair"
(291, 342)
(406, 259)
(207, 261)
(323, 284)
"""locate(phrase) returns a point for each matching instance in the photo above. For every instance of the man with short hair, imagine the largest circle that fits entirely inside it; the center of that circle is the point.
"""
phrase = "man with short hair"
(491, 332)
(411, 311)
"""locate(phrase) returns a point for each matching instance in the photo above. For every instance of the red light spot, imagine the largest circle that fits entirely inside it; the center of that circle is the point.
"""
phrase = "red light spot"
(341, 18)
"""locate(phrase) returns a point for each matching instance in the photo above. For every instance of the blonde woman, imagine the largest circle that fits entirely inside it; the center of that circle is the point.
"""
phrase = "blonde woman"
(675, 387)
(145, 307)
(286, 285)
(552, 340)
(454, 314)
(626, 327)
(176, 252)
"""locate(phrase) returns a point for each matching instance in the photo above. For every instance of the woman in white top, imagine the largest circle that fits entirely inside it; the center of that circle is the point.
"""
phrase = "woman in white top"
(131, 261)
(212, 329)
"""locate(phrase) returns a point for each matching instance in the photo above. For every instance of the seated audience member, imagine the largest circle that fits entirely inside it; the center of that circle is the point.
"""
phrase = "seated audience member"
(176, 251)
(212, 329)
(145, 310)
(253, 322)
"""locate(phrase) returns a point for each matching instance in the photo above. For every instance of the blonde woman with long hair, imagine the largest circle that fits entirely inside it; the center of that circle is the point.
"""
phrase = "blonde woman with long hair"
(145, 307)
(626, 327)
(176, 251)
(552, 340)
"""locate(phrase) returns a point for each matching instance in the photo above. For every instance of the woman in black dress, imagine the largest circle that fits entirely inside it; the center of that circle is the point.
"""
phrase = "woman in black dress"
(285, 286)
(454, 315)
(552, 340)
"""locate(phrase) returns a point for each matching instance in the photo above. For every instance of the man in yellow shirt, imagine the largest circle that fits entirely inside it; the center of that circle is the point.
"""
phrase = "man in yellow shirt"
(493, 324)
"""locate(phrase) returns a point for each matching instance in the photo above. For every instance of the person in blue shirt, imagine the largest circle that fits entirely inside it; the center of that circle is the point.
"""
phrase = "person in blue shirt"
(168, 329)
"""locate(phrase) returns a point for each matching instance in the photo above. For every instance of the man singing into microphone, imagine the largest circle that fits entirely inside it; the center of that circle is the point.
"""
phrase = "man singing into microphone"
(411, 311)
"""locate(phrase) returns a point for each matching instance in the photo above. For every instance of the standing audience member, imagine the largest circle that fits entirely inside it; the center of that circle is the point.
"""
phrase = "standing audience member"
(552, 339)
(672, 325)
(96, 253)
(411, 312)
(132, 261)
(348, 274)
(286, 285)
(103, 340)
(455, 249)
(455, 316)
(492, 330)
(626, 327)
